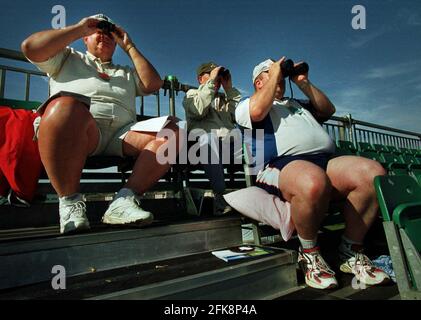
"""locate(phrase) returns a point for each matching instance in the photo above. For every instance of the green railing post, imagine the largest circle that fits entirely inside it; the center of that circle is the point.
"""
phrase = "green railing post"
(158, 102)
(2, 82)
(27, 85)
(173, 81)
(173, 86)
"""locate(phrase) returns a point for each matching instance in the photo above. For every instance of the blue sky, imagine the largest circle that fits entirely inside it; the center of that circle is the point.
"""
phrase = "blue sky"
(374, 74)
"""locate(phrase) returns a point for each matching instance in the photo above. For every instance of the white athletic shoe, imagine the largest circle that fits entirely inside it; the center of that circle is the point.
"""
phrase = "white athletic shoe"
(364, 270)
(73, 217)
(317, 272)
(127, 210)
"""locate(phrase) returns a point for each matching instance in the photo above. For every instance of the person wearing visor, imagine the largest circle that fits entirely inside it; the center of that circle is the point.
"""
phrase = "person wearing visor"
(300, 168)
(208, 110)
(91, 105)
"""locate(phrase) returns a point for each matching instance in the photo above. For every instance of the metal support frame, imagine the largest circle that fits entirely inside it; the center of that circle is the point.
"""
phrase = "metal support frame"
(399, 261)
(413, 259)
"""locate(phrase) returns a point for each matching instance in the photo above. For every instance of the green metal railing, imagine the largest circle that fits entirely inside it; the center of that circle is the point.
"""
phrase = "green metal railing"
(339, 128)
(17, 56)
(349, 129)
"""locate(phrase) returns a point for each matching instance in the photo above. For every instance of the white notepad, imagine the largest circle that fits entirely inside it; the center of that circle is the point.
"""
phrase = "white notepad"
(151, 125)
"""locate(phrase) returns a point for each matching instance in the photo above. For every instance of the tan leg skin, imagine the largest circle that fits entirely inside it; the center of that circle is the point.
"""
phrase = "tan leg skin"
(352, 179)
(144, 145)
(67, 135)
(308, 189)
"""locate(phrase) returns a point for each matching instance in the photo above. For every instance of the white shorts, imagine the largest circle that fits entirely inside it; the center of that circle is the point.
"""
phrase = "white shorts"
(109, 131)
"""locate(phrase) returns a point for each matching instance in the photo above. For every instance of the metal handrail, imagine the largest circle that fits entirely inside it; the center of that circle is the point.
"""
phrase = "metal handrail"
(17, 56)
(380, 127)
(22, 70)
(12, 54)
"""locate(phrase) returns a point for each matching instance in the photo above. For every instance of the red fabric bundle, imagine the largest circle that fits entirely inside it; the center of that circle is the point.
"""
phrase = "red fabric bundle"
(20, 163)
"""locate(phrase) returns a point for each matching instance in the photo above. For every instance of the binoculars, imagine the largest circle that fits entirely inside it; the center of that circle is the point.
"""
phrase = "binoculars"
(106, 27)
(224, 73)
(289, 70)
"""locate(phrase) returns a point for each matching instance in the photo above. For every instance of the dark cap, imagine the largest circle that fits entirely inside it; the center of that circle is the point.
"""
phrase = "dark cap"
(206, 67)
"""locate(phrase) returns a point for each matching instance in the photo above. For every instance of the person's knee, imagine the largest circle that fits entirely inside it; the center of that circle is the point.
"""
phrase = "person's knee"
(315, 187)
(366, 173)
(171, 134)
(67, 111)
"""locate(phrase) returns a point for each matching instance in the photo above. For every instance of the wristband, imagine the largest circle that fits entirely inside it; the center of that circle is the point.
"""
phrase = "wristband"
(132, 46)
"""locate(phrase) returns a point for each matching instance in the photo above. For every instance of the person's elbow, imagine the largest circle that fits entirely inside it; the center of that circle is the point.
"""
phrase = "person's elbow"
(331, 110)
(153, 86)
(26, 47)
(30, 52)
(257, 115)
(328, 112)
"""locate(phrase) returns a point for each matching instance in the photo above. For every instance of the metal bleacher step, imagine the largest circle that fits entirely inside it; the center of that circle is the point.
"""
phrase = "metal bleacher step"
(195, 276)
(29, 259)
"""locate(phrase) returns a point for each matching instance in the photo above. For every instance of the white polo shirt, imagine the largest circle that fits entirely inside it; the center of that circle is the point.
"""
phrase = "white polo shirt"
(112, 99)
(289, 129)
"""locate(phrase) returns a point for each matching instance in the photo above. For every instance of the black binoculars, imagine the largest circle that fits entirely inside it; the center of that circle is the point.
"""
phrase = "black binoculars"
(106, 27)
(224, 73)
(289, 70)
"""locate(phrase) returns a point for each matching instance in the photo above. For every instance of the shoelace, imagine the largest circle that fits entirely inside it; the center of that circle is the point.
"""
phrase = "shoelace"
(77, 210)
(318, 263)
(363, 261)
(134, 203)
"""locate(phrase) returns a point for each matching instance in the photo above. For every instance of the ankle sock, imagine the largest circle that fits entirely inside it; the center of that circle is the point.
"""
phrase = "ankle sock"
(308, 244)
(68, 200)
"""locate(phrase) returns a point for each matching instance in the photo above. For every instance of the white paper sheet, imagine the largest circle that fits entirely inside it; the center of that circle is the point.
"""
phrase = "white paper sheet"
(151, 125)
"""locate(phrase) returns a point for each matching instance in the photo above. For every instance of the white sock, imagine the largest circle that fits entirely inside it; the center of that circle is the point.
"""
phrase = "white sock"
(308, 244)
(68, 200)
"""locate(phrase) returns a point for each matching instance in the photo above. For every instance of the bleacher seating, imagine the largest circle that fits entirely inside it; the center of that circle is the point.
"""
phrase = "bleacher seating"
(400, 205)
(365, 147)
(381, 148)
(345, 148)
(393, 149)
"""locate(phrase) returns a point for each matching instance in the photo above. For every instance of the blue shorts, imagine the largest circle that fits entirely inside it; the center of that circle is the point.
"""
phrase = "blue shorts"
(268, 179)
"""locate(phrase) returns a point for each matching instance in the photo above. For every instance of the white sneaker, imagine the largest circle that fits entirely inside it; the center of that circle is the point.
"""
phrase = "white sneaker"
(73, 217)
(127, 210)
(364, 270)
(317, 272)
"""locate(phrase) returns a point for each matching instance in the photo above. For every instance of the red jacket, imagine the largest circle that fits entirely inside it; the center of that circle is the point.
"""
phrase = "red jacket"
(20, 163)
